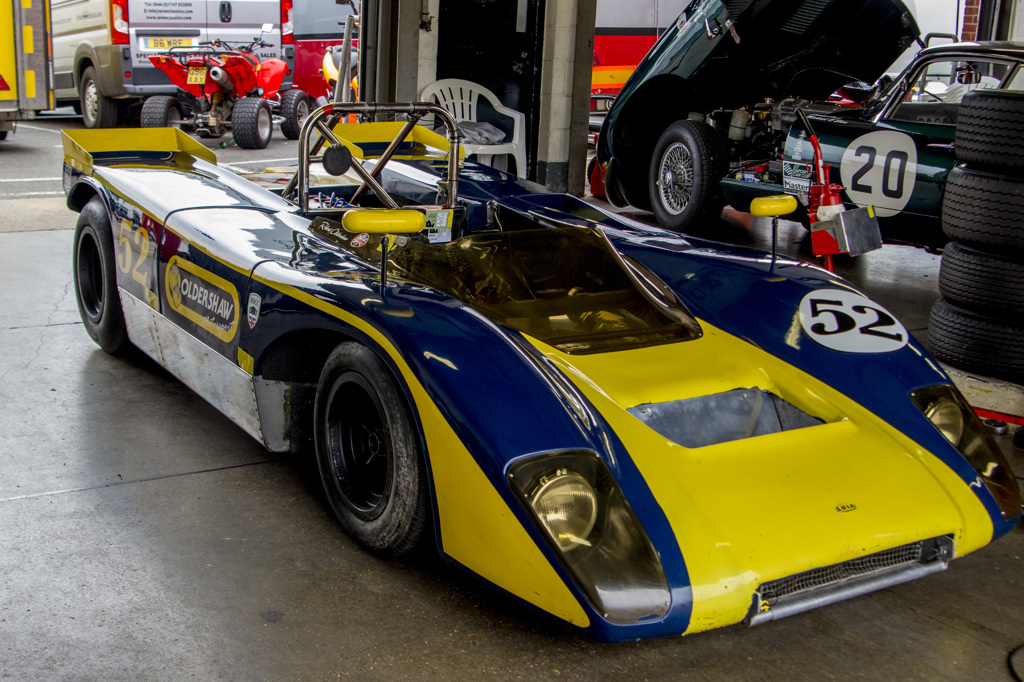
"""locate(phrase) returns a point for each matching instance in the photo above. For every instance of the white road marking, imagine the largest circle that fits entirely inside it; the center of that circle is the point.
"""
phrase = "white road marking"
(29, 179)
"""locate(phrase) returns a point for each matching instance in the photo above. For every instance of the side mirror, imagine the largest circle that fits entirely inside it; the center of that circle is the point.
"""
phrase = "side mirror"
(267, 28)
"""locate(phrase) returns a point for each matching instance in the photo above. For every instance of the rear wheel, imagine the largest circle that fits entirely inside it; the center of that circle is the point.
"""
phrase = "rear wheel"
(96, 282)
(368, 452)
(161, 111)
(687, 165)
(252, 123)
(97, 111)
(294, 110)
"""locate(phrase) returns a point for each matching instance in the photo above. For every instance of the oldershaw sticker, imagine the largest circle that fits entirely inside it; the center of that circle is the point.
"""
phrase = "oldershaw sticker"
(203, 298)
(850, 323)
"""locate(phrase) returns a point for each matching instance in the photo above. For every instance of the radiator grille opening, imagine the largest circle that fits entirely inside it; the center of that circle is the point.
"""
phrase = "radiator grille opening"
(817, 587)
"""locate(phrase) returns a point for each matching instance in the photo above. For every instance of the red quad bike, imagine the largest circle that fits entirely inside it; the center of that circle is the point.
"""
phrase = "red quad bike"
(223, 86)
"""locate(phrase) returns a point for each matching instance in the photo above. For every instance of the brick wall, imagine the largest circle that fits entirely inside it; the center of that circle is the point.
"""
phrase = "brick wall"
(970, 23)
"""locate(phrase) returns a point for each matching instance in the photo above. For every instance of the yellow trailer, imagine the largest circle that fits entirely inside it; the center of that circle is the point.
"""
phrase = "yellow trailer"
(25, 77)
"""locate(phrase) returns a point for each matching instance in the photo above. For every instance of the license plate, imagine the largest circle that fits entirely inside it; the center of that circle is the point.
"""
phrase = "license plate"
(196, 75)
(166, 43)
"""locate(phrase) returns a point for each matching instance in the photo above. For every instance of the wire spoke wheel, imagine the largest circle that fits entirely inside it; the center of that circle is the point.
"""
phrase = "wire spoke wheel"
(675, 178)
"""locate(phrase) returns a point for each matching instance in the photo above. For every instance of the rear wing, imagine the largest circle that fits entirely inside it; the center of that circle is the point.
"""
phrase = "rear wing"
(84, 148)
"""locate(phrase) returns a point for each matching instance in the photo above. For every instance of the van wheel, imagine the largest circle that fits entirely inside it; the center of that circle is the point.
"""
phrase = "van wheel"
(294, 109)
(688, 162)
(252, 123)
(161, 111)
(98, 111)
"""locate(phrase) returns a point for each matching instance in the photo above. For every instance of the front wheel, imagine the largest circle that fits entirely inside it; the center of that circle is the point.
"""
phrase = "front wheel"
(688, 163)
(96, 282)
(252, 123)
(294, 110)
(368, 452)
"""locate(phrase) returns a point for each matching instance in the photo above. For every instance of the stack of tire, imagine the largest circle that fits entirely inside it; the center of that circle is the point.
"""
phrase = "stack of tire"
(978, 324)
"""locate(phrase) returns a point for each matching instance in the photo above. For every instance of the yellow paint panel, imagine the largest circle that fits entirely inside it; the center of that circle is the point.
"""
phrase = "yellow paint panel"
(27, 4)
(28, 45)
(610, 76)
(245, 361)
(748, 511)
(477, 528)
(30, 84)
(8, 68)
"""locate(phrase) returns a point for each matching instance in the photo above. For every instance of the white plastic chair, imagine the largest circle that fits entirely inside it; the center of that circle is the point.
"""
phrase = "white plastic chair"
(459, 98)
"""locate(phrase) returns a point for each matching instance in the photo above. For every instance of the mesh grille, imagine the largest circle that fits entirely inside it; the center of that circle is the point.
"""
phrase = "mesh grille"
(830, 575)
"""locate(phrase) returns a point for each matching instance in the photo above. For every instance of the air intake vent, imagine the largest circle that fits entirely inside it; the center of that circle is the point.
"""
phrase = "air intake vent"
(805, 15)
(817, 587)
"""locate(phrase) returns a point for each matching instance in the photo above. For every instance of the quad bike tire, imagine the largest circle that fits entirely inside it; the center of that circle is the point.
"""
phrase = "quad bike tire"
(990, 131)
(688, 162)
(984, 209)
(294, 110)
(161, 111)
(982, 281)
(252, 123)
(976, 342)
(98, 111)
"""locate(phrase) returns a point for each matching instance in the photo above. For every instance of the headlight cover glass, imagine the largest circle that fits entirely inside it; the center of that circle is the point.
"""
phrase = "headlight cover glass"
(577, 504)
(949, 412)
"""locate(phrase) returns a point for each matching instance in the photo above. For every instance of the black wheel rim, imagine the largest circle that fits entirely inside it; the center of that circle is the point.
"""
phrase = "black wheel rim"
(359, 449)
(90, 276)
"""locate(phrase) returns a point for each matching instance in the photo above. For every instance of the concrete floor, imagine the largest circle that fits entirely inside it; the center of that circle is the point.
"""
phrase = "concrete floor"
(143, 536)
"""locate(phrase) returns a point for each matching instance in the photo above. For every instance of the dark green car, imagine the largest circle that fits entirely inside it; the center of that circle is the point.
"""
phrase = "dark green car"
(710, 115)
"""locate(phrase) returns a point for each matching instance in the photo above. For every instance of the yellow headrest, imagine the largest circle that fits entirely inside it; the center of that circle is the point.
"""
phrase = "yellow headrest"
(383, 221)
(779, 204)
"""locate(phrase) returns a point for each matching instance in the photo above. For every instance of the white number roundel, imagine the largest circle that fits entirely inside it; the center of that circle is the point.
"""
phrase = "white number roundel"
(880, 169)
(850, 323)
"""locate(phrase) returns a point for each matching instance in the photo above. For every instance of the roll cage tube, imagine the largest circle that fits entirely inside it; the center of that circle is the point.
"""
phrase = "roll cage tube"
(447, 188)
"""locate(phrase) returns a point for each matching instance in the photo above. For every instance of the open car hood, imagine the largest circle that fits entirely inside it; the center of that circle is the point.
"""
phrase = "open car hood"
(739, 51)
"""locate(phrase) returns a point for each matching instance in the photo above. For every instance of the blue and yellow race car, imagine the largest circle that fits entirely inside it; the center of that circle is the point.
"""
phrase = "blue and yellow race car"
(637, 433)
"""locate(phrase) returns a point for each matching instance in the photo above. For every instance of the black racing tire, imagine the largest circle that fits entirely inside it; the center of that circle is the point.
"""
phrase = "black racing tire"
(294, 110)
(161, 111)
(976, 342)
(98, 111)
(591, 167)
(368, 452)
(688, 162)
(96, 280)
(990, 130)
(981, 281)
(252, 123)
(984, 209)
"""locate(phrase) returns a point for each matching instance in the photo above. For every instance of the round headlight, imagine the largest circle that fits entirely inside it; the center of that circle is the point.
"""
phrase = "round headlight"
(566, 505)
(948, 418)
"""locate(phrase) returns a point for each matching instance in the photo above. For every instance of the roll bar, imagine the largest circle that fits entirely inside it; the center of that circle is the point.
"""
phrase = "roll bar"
(335, 111)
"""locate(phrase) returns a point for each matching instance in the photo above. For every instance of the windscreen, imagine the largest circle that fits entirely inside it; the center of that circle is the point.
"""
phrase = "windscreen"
(566, 286)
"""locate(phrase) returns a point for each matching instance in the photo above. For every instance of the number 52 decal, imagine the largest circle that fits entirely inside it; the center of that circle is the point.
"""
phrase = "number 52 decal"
(850, 323)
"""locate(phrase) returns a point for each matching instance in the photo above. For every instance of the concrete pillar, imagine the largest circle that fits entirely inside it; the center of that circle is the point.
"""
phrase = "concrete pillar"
(565, 94)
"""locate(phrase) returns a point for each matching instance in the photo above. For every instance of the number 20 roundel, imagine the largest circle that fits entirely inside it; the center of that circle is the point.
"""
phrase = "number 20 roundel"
(880, 169)
(850, 323)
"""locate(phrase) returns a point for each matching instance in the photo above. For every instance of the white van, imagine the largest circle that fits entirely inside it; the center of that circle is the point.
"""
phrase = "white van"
(101, 47)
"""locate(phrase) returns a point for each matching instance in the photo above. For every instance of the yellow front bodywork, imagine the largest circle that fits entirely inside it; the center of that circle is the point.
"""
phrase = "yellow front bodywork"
(748, 511)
